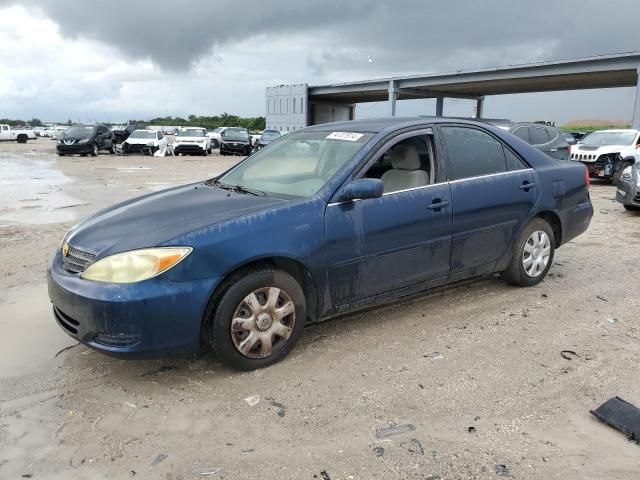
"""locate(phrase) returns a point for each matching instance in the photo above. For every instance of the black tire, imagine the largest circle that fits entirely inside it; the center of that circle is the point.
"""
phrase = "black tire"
(112, 150)
(21, 139)
(234, 291)
(61, 154)
(631, 208)
(515, 274)
(94, 150)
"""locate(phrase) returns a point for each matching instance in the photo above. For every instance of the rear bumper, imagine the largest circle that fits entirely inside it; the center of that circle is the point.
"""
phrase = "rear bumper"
(576, 221)
(154, 318)
(627, 193)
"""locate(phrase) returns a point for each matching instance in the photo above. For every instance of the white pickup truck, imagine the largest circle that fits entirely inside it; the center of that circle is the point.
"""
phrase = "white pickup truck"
(16, 135)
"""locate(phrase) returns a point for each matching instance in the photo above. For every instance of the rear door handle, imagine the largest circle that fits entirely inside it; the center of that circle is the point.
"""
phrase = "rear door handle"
(526, 186)
(437, 204)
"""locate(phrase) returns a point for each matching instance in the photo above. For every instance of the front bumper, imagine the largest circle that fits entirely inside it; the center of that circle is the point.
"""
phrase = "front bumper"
(603, 166)
(153, 318)
(628, 193)
(75, 149)
(238, 149)
(189, 148)
(138, 149)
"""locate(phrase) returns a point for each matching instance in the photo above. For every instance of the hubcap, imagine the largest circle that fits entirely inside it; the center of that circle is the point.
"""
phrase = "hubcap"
(536, 253)
(263, 322)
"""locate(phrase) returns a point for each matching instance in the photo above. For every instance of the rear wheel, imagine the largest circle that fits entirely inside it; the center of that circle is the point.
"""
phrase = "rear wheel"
(258, 320)
(532, 255)
(21, 139)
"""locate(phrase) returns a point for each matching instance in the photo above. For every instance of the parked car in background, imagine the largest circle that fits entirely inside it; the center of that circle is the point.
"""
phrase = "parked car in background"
(546, 138)
(47, 132)
(144, 141)
(58, 131)
(120, 136)
(84, 140)
(571, 140)
(192, 141)
(20, 135)
(267, 137)
(628, 187)
(169, 130)
(607, 152)
(235, 141)
(328, 220)
(215, 136)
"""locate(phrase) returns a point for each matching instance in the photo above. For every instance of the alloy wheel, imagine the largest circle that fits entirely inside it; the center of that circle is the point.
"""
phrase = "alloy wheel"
(263, 322)
(536, 253)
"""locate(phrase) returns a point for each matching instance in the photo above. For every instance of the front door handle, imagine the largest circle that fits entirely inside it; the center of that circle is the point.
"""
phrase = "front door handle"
(526, 186)
(438, 204)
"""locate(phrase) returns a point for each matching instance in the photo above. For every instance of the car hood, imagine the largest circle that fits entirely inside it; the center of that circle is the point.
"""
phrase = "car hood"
(139, 141)
(228, 140)
(191, 139)
(159, 217)
(599, 150)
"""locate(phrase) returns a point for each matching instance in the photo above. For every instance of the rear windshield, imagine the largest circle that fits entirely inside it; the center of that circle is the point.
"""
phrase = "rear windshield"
(235, 134)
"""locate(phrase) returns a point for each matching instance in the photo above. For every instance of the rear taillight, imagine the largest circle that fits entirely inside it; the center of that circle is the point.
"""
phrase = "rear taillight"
(587, 179)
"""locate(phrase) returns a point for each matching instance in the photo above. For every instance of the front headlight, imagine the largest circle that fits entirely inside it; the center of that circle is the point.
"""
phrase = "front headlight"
(136, 265)
(627, 174)
(84, 140)
(150, 144)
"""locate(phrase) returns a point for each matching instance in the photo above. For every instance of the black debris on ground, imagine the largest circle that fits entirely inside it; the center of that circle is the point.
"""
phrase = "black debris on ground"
(502, 470)
(162, 369)
(379, 451)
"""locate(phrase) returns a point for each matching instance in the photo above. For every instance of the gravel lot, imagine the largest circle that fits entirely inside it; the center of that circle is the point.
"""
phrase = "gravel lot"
(471, 376)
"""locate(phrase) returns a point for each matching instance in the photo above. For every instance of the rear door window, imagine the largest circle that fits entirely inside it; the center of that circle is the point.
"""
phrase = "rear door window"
(513, 161)
(473, 153)
(539, 136)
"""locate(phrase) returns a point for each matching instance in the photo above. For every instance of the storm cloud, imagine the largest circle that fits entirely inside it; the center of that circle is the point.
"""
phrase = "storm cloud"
(253, 44)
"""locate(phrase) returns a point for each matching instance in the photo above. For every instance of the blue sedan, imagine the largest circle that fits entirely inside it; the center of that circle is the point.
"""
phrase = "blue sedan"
(323, 221)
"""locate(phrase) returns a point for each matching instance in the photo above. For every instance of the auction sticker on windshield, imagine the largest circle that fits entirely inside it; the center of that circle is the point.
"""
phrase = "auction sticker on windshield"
(348, 136)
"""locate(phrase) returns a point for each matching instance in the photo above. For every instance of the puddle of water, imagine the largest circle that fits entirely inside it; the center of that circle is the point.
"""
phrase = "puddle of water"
(30, 335)
(31, 192)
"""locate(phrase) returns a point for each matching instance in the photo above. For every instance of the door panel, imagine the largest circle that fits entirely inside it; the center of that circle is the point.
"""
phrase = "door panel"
(379, 245)
(487, 213)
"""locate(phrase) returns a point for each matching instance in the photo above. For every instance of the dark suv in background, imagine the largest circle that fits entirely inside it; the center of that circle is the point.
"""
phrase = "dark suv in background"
(85, 139)
(547, 138)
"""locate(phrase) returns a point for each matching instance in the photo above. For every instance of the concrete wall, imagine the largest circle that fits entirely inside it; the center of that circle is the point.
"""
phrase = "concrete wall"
(321, 112)
(287, 107)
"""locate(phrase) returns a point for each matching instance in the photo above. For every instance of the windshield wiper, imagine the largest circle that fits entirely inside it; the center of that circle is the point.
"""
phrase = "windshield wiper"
(252, 191)
(237, 188)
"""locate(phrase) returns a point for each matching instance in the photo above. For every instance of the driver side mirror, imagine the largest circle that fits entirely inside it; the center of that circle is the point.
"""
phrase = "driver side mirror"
(362, 189)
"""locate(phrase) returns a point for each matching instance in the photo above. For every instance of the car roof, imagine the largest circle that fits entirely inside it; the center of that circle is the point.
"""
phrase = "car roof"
(376, 125)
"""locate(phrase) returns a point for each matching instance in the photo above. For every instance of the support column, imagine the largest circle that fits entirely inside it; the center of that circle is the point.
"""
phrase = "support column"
(479, 106)
(635, 122)
(439, 106)
(393, 97)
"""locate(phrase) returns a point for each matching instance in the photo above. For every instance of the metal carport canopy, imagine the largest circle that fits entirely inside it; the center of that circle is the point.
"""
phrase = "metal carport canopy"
(606, 71)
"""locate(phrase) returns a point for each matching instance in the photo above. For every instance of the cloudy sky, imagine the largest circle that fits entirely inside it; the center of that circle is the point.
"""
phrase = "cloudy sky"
(115, 60)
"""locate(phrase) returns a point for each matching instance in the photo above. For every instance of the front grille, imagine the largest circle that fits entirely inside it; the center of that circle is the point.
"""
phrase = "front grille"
(65, 321)
(77, 261)
(118, 340)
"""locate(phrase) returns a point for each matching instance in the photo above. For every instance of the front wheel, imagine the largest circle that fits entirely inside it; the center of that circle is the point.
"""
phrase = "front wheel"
(258, 320)
(94, 150)
(532, 255)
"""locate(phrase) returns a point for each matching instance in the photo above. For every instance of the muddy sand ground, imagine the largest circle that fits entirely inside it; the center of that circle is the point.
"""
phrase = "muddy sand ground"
(471, 376)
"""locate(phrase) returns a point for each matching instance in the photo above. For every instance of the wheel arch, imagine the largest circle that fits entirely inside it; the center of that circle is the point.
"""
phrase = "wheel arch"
(291, 266)
(553, 220)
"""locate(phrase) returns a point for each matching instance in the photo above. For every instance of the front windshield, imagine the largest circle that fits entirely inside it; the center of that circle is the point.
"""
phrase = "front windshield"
(80, 130)
(217, 130)
(191, 132)
(235, 134)
(299, 164)
(270, 135)
(143, 134)
(609, 138)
